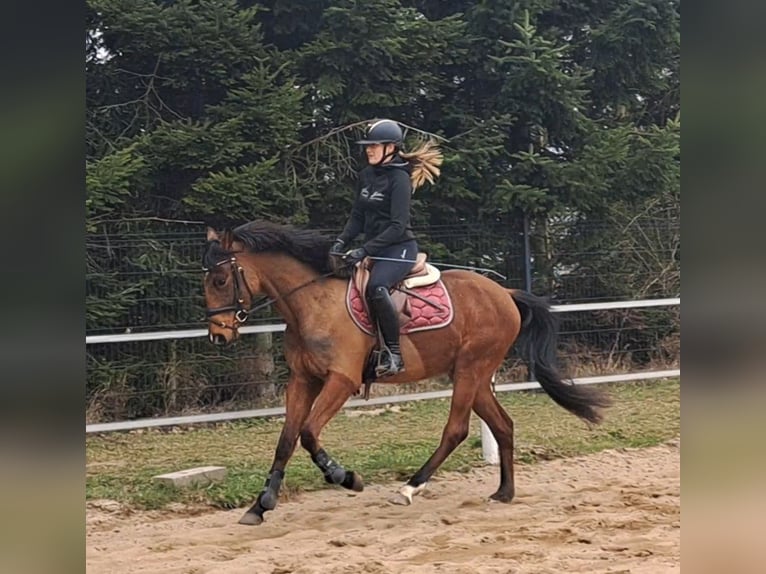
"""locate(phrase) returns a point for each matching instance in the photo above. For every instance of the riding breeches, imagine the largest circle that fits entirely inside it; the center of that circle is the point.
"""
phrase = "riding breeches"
(387, 273)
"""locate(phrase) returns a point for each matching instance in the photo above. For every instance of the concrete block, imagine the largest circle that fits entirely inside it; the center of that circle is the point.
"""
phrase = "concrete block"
(193, 476)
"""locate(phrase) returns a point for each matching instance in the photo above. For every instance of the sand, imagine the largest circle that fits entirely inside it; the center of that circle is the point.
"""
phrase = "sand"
(616, 511)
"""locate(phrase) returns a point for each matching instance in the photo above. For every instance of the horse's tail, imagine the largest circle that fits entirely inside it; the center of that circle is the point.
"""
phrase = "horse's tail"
(537, 345)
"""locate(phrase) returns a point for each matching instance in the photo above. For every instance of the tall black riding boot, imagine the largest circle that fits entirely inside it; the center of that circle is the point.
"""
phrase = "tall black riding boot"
(388, 320)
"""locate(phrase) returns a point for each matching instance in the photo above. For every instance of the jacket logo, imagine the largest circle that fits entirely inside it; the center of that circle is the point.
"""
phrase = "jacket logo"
(376, 196)
(365, 192)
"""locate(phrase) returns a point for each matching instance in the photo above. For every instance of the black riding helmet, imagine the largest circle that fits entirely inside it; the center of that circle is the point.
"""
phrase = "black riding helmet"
(383, 132)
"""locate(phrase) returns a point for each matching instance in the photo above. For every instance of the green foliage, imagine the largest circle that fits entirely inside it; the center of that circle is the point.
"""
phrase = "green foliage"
(634, 52)
(375, 57)
(251, 192)
(547, 91)
(110, 182)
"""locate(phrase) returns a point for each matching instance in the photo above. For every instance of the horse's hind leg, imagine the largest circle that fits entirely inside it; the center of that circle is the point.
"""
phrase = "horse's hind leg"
(454, 433)
(299, 396)
(335, 392)
(489, 409)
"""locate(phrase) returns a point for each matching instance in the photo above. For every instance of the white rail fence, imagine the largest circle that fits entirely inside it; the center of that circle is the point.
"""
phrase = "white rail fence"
(490, 451)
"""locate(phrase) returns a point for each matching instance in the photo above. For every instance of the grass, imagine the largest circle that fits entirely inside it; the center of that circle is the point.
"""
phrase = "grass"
(386, 446)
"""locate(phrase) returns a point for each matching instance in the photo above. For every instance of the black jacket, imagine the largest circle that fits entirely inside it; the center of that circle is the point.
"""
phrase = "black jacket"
(382, 206)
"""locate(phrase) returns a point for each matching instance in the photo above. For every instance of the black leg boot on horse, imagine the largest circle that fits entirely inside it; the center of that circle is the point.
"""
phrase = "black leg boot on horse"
(391, 362)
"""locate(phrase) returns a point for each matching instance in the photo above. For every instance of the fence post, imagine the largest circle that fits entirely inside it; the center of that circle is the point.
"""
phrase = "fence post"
(527, 256)
(264, 365)
(528, 280)
(489, 449)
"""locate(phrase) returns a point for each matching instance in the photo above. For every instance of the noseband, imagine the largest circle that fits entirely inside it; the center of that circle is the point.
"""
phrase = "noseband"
(241, 312)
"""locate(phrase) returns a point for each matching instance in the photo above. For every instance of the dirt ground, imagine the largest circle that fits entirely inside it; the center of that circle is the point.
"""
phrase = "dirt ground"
(616, 511)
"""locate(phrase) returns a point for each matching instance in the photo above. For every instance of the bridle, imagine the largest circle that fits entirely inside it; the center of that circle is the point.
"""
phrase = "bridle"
(242, 312)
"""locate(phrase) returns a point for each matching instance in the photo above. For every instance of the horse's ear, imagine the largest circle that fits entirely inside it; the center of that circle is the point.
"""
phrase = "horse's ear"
(227, 239)
(212, 235)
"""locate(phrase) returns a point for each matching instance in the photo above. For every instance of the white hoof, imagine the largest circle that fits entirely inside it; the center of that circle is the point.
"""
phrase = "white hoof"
(399, 499)
(405, 494)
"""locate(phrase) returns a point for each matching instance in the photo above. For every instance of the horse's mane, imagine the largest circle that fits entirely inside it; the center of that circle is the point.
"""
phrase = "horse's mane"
(306, 245)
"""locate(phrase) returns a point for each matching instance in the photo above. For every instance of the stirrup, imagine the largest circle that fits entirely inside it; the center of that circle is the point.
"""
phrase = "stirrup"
(387, 365)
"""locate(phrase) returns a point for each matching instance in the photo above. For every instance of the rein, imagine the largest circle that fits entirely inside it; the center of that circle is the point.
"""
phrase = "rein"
(241, 312)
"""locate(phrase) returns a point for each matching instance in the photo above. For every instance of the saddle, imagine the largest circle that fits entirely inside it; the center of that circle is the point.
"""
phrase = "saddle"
(421, 300)
(421, 275)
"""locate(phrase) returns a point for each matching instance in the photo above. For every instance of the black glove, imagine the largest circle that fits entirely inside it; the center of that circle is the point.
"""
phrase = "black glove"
(337, 247)
(354, 256)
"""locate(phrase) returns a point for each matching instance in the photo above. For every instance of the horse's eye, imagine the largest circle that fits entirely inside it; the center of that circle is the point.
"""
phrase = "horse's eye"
(219, 281)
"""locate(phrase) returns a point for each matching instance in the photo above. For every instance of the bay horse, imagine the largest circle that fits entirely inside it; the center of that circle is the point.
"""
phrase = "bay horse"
(326, 352)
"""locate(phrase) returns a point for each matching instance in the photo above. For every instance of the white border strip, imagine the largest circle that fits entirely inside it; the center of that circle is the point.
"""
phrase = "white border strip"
(277, 411)
(615, 305)
(274, 328)
(160, 335)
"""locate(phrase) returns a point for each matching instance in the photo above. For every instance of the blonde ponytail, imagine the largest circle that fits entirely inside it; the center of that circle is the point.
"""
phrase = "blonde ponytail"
(425, 162)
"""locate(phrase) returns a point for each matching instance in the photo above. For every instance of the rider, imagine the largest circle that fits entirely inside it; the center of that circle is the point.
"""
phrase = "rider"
(382, 211)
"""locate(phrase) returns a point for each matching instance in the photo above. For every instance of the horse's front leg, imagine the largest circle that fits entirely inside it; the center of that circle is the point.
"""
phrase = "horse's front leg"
(299, 396)
(335, 392)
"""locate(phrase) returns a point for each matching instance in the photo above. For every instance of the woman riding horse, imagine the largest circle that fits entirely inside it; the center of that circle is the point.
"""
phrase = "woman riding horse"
(382, 211)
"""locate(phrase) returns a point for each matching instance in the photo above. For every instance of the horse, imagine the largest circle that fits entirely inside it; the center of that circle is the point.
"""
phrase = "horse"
(326, 352)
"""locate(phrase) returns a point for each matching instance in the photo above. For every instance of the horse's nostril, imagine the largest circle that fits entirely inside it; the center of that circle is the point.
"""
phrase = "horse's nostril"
(218, 339)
